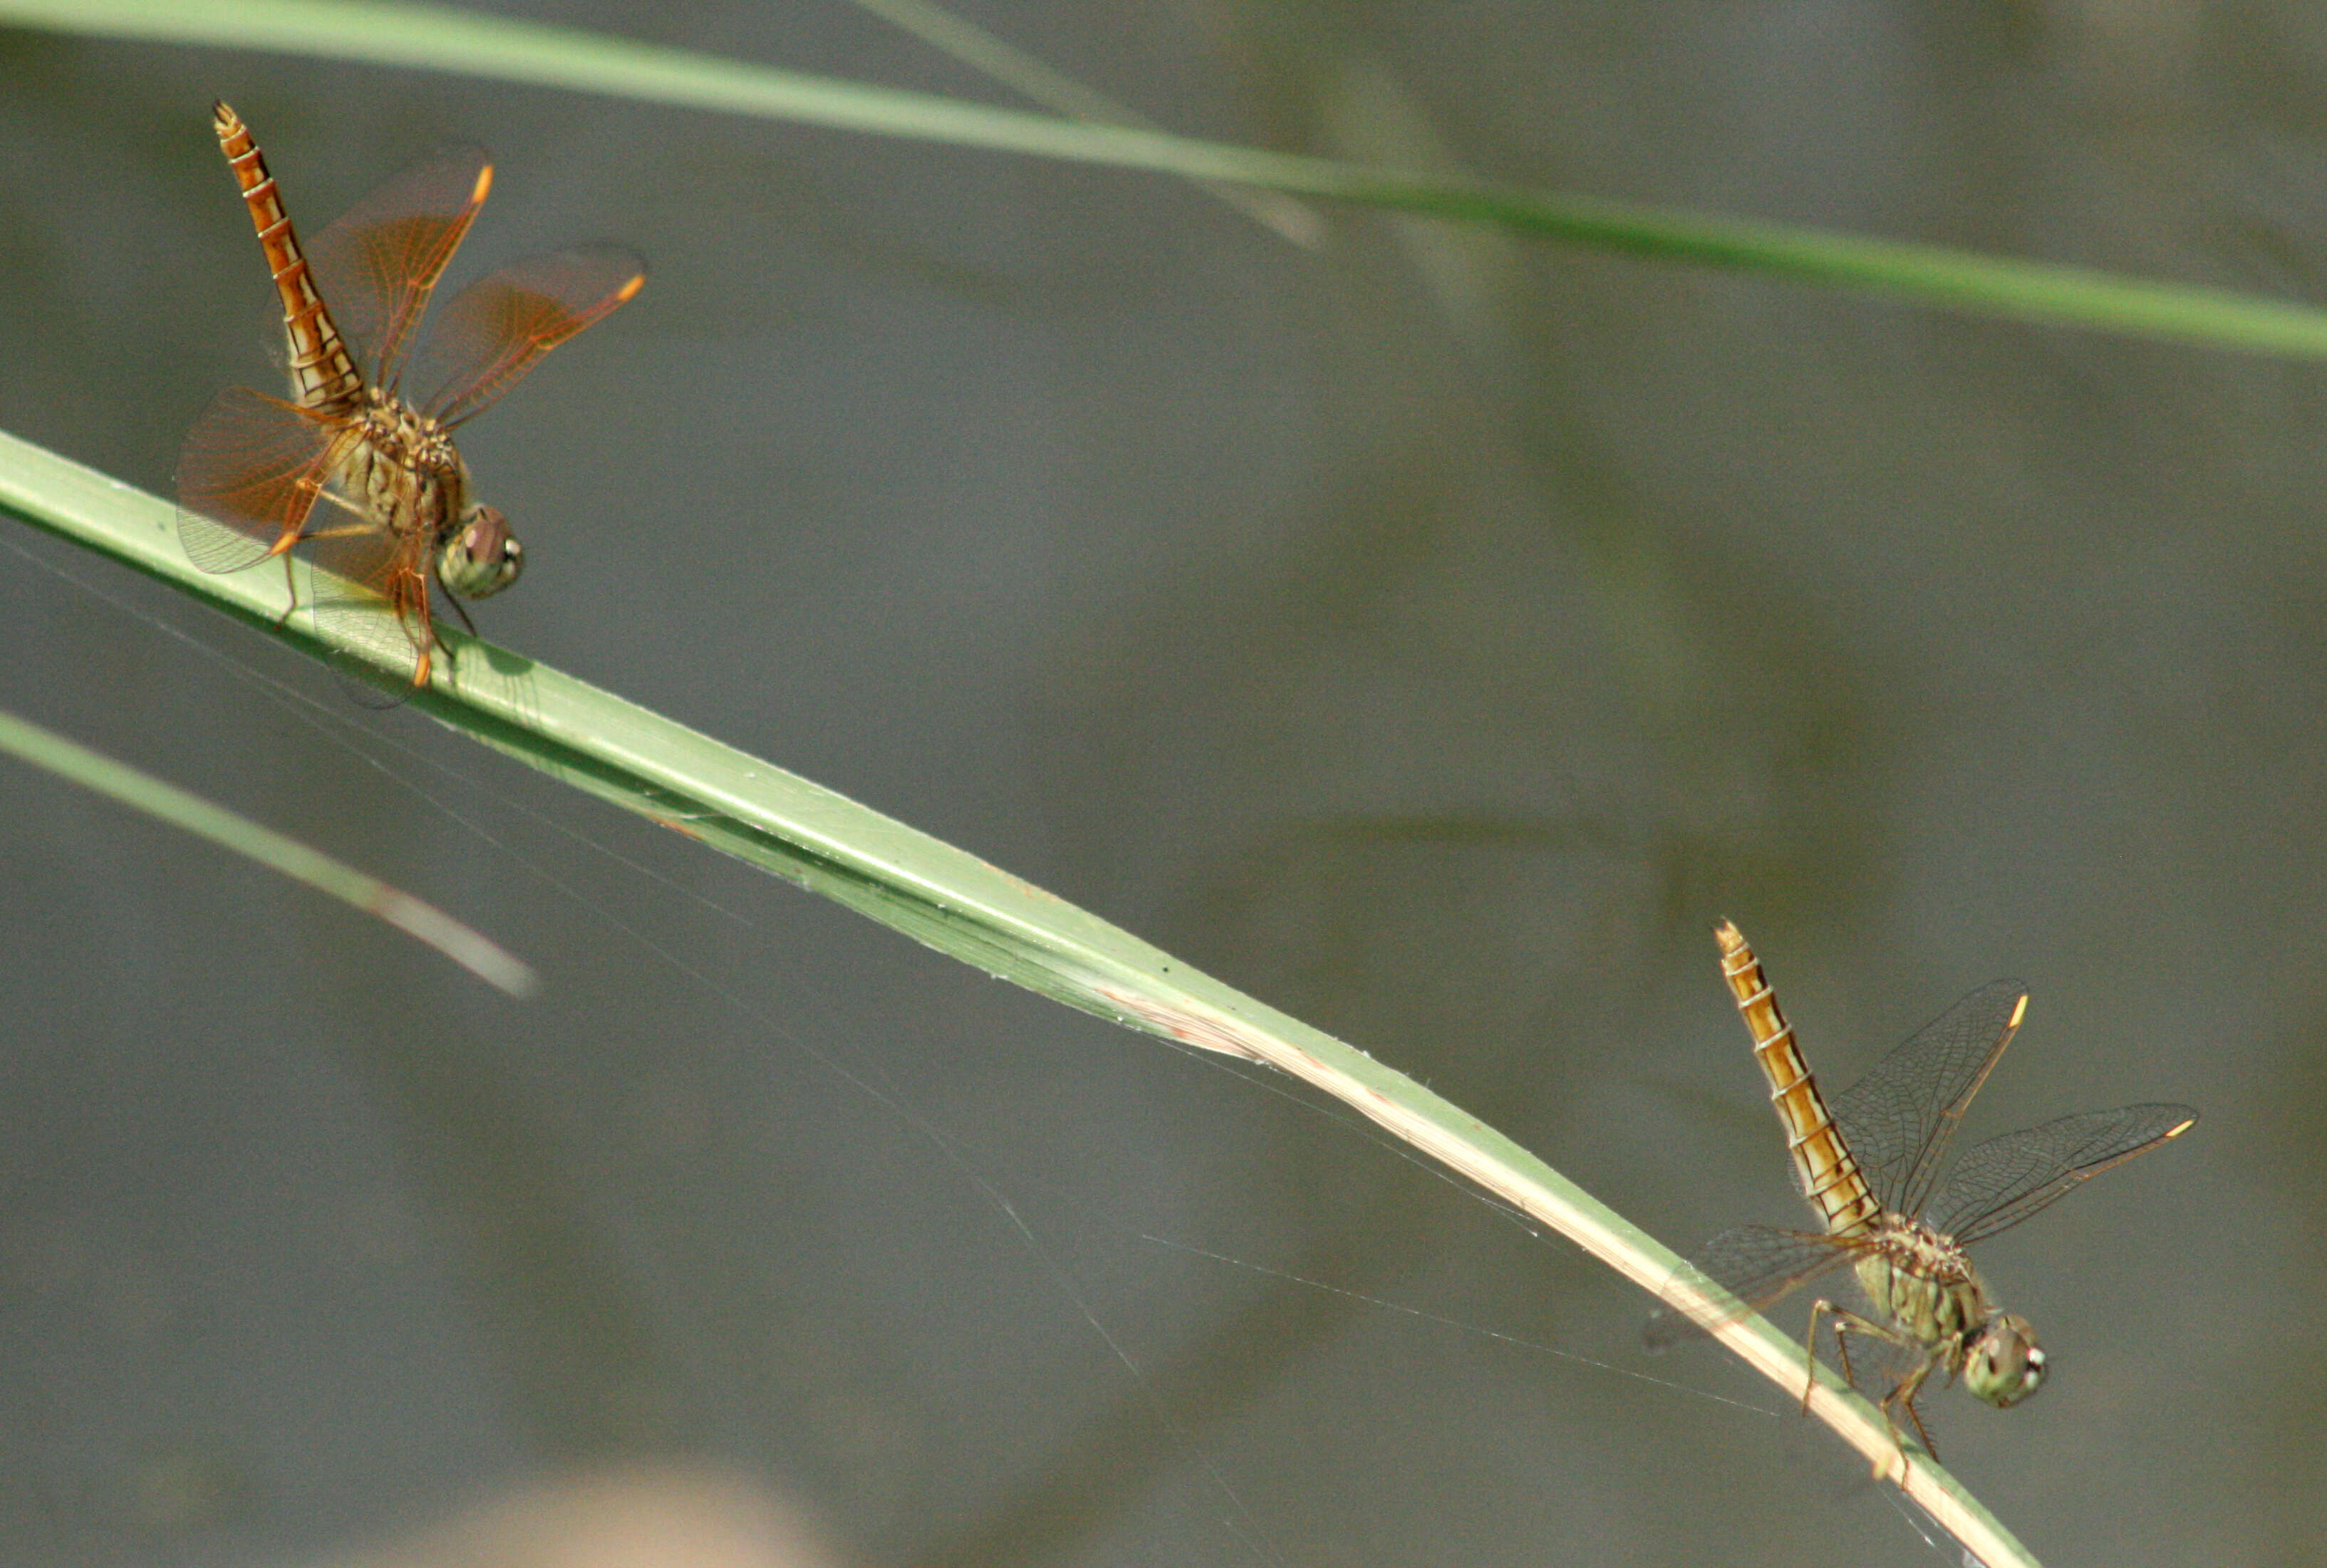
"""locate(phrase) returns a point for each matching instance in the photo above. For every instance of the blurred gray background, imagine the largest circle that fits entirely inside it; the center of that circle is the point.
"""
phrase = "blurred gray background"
(1427, 633)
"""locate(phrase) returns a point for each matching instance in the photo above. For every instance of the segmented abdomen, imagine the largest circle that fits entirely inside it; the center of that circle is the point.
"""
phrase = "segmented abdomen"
(323, 375)
(1824, 1167)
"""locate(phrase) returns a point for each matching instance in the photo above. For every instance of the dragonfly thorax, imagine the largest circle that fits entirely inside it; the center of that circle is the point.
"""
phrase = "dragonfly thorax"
(404, 473)
(401, 470)
(1921, 1281)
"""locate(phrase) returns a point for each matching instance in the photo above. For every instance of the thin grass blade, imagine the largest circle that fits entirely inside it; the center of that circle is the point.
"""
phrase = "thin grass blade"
(165, 802)
(509, 49)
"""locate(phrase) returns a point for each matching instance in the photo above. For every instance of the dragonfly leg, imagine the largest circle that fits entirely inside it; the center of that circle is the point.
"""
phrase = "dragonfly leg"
(462, 610)
(1818, 1309)
(290, 591)
(363, 523)
(1846, 1323)
(301, 535)
(1903, 1397)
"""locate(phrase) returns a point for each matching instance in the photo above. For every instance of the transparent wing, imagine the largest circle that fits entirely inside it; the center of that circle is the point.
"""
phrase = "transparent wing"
(378, 263)
(498, 327)
(371, 590)
(1900, 1119)
(248, 476)
(1756, 1263)
(2002, 1181)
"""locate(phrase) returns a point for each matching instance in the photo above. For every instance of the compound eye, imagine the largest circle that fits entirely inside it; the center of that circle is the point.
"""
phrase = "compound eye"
(2006, 1364)
(481, 557)
(2031, 1372)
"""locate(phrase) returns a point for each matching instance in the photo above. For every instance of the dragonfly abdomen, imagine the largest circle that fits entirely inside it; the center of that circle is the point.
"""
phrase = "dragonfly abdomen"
(1824, 1168)
(323, 374)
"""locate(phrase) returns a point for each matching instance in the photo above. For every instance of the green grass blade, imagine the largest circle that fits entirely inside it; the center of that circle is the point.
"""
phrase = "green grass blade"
(165, 802)
(507, 48)
(963, 41)
(938, 895)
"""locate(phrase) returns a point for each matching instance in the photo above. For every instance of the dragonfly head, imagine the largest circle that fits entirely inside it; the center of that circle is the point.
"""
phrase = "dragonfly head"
(2005, 1365)
(479, 557)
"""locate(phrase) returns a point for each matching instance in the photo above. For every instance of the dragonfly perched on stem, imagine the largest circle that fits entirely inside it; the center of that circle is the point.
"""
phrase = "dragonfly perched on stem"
(1869, 1167)
(370, 480)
